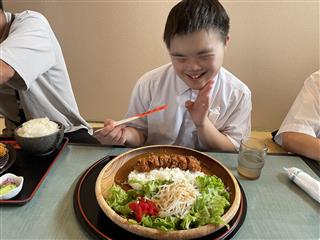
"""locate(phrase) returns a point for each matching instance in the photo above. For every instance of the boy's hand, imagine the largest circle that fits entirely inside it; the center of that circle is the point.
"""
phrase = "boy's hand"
(111, 134)
(200, 107)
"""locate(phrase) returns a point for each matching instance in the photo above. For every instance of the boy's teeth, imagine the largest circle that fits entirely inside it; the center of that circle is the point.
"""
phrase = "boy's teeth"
(196, 76)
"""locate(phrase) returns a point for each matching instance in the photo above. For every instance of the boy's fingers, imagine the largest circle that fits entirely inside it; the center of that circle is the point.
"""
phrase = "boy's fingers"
(119, 140)
(104, 131)
(109, 125)
(109, 122)
(115, 133)
(108, 130)
(207, 88)
(189, 104)
(122, 139)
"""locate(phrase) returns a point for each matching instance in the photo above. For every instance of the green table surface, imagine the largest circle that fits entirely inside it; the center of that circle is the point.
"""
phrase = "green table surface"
(277, 208)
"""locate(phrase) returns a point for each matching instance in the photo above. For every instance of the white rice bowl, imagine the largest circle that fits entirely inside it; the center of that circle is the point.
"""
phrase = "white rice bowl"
(37, 127)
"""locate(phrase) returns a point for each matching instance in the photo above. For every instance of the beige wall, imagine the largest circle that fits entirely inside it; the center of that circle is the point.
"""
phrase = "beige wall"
(108, 45)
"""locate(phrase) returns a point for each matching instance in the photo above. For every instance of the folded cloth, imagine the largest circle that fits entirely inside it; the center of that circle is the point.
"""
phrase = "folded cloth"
(305, 181)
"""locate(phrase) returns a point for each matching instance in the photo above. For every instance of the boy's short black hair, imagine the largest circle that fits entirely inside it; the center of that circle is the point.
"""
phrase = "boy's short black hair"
(1, 6)
(190, 16)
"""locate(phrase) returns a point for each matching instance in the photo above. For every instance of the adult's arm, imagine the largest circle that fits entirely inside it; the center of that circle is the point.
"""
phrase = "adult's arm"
(301, 144)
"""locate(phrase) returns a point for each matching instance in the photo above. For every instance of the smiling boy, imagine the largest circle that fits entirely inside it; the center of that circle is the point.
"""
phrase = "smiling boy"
(209, 108)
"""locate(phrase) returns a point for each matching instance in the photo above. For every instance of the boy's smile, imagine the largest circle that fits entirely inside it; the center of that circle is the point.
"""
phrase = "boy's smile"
(197, 57)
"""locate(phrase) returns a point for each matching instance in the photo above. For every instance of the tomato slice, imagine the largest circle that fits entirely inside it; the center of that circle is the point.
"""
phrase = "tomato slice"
(138, 213)
(133, 206)
(143, 207)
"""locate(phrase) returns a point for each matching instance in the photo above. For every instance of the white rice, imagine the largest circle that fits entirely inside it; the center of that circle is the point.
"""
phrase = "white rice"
(173, 174)
(37, 127)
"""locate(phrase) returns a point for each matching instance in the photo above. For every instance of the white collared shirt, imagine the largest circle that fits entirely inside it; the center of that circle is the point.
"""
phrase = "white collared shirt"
(45, 90)
(230, 110)
(304, 114)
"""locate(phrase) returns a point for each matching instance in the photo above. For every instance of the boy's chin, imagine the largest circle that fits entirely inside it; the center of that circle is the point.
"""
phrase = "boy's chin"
(197, 85)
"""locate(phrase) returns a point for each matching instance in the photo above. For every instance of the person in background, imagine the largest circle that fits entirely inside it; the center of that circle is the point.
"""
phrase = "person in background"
(300, 131)
(34, 80)
(208, 107)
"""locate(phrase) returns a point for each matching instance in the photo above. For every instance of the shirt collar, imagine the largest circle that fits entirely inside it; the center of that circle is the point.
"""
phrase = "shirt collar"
(181, 86)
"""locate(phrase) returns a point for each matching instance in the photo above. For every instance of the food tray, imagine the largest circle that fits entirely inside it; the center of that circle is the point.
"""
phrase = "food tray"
(96, 223)
(34, 169)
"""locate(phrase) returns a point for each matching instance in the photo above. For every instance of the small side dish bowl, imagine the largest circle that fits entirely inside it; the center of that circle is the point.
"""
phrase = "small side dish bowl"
(41, 145)
(10, 186)
(117, 170)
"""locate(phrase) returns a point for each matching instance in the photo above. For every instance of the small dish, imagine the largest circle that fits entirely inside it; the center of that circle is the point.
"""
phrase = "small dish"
(10, 178)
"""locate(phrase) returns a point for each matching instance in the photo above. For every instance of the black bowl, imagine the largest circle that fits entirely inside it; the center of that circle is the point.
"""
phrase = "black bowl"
(41, 145)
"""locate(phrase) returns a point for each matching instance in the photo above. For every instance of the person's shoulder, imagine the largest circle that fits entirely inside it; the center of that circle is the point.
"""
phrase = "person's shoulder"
(311, 87)
(164, 69)
(29, 15)
(232, 81)
(157, 74)
(151, 80)
(313, 79)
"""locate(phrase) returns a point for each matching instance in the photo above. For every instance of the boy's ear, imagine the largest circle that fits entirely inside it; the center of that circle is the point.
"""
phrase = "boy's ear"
(226, 43)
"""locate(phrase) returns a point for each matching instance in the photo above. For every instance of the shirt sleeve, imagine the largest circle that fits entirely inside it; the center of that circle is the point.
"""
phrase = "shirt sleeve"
(139, 103)
(238, 125)
(304, 116)
(28, 49)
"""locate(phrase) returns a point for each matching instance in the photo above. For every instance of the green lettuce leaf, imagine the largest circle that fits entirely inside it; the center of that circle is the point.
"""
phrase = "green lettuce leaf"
(118, 200)
(148, 189)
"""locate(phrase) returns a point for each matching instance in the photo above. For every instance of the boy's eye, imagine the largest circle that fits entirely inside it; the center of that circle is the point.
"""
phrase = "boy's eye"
(179, 59)
(206, 56)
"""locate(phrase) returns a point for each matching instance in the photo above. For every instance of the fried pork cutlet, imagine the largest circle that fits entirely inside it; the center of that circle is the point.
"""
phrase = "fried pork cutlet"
(153, 161)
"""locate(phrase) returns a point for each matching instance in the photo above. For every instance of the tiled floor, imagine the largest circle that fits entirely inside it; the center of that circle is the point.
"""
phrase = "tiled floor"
(266, 136)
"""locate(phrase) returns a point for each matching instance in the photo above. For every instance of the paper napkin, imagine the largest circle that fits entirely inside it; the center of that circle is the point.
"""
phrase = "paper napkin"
(305, 181)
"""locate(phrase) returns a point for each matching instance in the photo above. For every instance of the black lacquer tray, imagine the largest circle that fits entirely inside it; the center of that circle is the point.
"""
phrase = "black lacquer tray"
(93, 219)
(34, 169)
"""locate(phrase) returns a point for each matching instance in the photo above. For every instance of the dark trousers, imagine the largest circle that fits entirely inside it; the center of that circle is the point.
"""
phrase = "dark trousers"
(81, 136)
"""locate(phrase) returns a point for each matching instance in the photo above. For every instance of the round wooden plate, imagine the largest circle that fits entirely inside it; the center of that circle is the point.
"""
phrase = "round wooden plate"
(119, 168)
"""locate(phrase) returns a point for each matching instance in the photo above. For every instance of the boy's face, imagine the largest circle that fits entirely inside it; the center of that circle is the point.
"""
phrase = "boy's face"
(197, 57)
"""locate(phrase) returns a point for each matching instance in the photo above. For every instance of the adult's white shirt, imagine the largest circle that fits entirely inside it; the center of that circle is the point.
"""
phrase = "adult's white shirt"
(33, 51)
(304, 114)
(230, 108)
